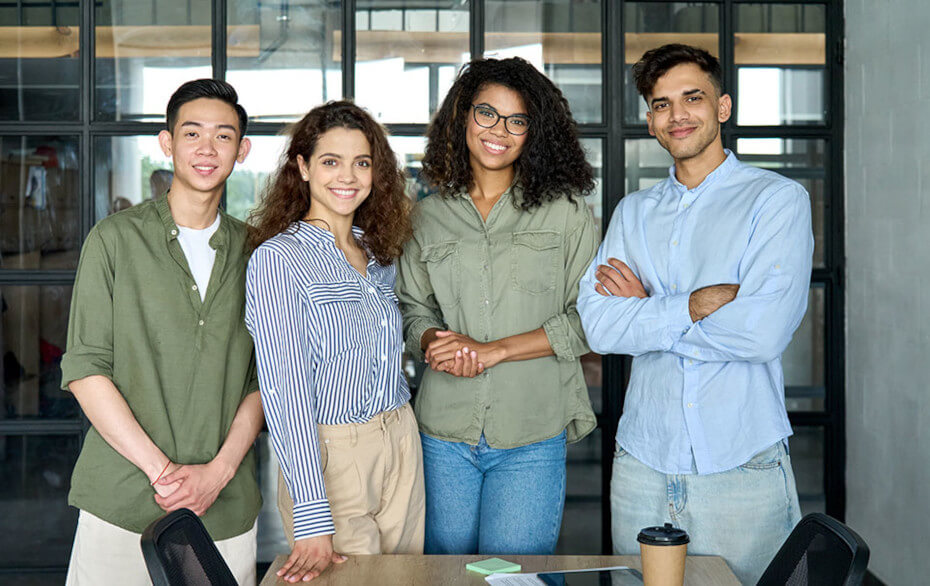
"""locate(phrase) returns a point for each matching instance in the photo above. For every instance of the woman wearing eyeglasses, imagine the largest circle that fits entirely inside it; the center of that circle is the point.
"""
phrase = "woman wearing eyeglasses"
(487, 288)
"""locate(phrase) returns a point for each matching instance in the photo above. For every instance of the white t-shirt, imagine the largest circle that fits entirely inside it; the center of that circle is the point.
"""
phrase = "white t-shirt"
(200, 256)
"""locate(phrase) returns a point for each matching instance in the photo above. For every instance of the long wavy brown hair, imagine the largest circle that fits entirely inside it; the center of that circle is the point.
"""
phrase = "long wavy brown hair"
(384, 215)
(552, 164)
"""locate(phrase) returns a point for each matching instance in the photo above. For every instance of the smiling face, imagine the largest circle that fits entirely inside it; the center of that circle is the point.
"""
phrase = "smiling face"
(494, 149)
(339, 172)
(685, 113)
(204, 146)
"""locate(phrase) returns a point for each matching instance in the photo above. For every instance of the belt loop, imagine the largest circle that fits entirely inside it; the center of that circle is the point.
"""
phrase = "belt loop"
(353, 434)
(382, 419)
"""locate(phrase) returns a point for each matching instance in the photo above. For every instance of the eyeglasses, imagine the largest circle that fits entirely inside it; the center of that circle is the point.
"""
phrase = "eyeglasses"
(487, 117)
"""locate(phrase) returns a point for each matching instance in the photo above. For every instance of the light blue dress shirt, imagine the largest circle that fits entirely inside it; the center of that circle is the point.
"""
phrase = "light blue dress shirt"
(708, 394)
(328, 345)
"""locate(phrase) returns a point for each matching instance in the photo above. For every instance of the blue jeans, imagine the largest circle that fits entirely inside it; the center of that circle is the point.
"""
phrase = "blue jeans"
(743, 515)
(493, 501)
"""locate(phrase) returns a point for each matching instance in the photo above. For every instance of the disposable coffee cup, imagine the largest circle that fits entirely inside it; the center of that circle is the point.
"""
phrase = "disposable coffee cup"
(663, 550)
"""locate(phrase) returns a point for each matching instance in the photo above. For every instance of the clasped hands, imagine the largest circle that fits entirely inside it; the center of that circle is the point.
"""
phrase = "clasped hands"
(459, 355)
(193, 487)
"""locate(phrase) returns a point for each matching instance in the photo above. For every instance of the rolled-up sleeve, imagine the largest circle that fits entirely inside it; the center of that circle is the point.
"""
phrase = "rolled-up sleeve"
(564, 330)
(415, 297)
(90, 325)
(278, 321)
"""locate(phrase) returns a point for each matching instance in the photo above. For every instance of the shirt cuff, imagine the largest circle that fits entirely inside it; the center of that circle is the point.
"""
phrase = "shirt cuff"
(680, 317)
(312, 519)
(415, 331)
(76, 365)
(558, 332)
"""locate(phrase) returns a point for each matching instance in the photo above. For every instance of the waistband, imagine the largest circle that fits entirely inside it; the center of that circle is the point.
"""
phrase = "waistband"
(377, 424)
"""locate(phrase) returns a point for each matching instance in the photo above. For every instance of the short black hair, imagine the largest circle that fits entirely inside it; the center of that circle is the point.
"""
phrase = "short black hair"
(214, 89)
(656, 62)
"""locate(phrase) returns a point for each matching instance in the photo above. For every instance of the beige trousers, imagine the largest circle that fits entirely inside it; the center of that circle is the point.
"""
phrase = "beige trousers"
(105, 554)
(373, 473)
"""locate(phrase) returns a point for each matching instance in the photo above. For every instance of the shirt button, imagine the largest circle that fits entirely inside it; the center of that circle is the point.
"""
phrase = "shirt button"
(193, 287)
(674, 243)
(690, 405)
(690, 362)
(371, 289)
(674, 287)
(384, 322)
(486, 267)
(486, 302)
(174, 232)
(200, 323)
(326, 441)
(685, 205)
(383, 357)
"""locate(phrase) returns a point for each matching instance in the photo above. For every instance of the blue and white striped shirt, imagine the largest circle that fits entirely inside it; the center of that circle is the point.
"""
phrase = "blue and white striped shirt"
(328, 345)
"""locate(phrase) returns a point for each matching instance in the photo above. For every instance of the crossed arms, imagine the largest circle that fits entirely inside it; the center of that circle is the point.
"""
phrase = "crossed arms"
(751, 320)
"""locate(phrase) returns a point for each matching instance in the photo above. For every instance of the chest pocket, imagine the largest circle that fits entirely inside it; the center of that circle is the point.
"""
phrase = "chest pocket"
(444, 268)
(535, 261)
(336, 306)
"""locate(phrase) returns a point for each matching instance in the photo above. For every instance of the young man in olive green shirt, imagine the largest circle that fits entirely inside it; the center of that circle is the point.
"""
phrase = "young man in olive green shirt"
(160, 360)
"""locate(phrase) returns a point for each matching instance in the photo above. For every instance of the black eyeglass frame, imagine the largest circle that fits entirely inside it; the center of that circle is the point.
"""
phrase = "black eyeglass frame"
(498, 118)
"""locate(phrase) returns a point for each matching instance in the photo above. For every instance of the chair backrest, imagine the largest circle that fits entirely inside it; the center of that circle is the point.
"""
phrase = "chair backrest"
(178, 551)
(820, 551)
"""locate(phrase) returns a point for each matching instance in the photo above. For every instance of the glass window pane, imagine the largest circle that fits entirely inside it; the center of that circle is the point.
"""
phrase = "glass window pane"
(40, 62)
(283, 59)
(36, 472)
(807, 463)
(804, 359)
(248, 181)
(409, 151)
(145, 51)
(33, 337)
(647, 163)
(780, 53)
(271, 539)
(802, 160)
(581, 522)
(561, 38)
(40, 219)
(406, 60)
(128, 170)
(648, 25)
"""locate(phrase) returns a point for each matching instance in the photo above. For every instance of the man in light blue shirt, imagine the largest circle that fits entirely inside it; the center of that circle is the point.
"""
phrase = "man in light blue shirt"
(703, 278)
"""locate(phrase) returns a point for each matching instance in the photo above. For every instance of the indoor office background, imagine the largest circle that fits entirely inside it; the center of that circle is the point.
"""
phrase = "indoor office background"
(83, 87)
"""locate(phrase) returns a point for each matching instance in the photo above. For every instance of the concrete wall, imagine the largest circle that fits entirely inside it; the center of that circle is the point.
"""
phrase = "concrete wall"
(888, 283)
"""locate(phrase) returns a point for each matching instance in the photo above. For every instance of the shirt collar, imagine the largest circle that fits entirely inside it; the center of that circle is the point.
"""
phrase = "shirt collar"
(219, 238)
(722, 171)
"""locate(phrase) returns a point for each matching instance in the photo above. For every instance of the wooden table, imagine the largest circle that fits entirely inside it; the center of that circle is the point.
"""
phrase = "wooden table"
(449, 570)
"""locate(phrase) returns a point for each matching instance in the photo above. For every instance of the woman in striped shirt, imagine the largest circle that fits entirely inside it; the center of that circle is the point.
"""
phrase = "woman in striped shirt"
(321, 308)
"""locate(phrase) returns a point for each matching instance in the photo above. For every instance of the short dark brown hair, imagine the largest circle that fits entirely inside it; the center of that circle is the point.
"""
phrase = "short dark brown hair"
(656, 62)
(384, 215)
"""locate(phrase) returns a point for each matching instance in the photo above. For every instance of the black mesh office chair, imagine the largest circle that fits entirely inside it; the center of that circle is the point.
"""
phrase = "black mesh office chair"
(178, 551)
(820, 551)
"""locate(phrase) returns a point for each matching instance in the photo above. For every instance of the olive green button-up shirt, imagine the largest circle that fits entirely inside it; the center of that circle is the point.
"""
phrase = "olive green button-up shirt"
(514, 273)
(183, 366)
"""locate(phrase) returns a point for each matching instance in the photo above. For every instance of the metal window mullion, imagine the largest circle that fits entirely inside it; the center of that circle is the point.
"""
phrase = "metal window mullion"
(476, 28)
(349, 48)
(218, 14)
(614, 367)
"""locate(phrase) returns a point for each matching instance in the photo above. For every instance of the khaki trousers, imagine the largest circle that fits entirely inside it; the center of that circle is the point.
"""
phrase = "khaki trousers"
(105, 554)
(373, 473)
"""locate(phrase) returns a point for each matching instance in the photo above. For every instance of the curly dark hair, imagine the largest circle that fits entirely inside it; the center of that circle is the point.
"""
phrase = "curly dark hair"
(552, 164)
(656, 62)
(384, 215)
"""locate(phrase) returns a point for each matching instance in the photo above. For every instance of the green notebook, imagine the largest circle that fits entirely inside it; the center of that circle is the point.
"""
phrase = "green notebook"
(493, 566)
